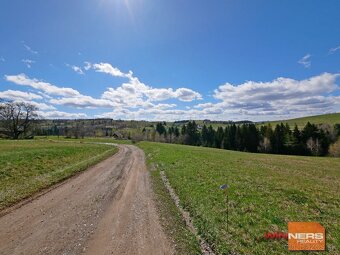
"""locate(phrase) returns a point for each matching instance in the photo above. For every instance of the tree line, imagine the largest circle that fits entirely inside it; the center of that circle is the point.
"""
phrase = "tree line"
(281, 139)
(16, 122)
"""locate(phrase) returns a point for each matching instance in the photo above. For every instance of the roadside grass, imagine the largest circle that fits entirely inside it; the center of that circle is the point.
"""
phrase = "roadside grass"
(171, 219)
(28, 166)
(85, 139)
(266, 192)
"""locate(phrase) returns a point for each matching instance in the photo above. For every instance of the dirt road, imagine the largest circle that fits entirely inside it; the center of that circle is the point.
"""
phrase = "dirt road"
(108, 209)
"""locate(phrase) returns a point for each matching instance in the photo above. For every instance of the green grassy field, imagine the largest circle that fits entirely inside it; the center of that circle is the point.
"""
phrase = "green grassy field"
(27, 166)
(266, 192)
(333, 118)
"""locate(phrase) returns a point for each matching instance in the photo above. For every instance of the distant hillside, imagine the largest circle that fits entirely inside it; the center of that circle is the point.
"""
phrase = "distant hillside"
(333, 118)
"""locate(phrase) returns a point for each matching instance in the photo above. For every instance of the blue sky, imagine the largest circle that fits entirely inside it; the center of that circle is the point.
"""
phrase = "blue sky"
(171, 60)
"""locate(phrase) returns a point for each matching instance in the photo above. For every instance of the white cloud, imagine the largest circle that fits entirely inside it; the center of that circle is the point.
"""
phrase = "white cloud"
(276, 99)
(26, 97)
(41, 106)
(156, 114)
(106, 68)
(278, 89)
(134, 93)
(187, 95)
(29, 49)
(17, 94)
(50, 89)
(61, 115)
(28, 62)
(280, 97)
(162, 106)
(82, 101)
(306, 61)
(44, 95)
(76, 69)
(87, 66)
(333, 50)
(69, 96)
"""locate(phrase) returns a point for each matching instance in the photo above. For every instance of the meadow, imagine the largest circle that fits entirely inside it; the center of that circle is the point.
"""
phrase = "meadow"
(83, 140)
(265, 193)
(28, 166)
(331, 119)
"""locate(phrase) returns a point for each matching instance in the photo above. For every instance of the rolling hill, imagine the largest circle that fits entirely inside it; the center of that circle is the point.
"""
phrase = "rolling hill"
(332, 118)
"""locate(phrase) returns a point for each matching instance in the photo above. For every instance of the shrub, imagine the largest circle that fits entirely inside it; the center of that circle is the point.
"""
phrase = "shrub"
(334, 149)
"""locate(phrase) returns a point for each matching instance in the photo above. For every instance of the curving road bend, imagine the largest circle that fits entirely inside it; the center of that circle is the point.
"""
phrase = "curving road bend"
(107, 209)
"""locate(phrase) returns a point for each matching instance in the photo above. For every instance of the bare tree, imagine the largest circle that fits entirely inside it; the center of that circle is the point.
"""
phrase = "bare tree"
(16, 118)
(265, 145)
(314, 146)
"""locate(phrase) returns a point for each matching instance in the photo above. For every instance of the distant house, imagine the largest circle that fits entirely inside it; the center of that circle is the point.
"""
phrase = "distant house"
(206, 121)
(117, 135)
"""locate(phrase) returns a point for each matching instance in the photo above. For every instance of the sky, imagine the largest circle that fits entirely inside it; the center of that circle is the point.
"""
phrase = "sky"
(171, 60)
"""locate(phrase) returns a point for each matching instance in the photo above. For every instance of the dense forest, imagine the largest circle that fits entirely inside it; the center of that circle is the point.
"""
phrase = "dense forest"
(281, 139)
